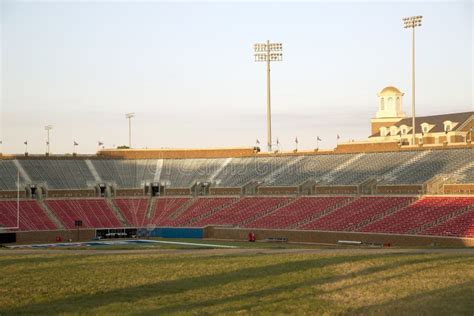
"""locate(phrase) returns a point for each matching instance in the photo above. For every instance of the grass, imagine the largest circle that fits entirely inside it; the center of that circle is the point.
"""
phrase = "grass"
(250, 283)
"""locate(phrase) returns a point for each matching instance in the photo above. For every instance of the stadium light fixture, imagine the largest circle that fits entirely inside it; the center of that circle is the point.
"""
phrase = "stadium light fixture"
(268, 52)
(129, 116)
(411, 23)
(48, 128)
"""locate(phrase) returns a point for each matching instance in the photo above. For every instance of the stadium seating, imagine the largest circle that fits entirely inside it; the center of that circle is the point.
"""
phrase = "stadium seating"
(370, 165)
(243, 210)
(197, 209)
(94, 213)
(8, 175)
(183, 173)
(59, 174)
(133, 210)
(423, 211)
(165, 208)
(32, 216)
(126, 173)
(405, 167)
(240, 171)
(356, 212)
(436, 162)
(459, 226)
(308, 168)
(297, 211)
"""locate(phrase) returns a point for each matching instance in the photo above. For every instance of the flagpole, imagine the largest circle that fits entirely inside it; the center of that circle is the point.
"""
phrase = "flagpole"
(18, 199)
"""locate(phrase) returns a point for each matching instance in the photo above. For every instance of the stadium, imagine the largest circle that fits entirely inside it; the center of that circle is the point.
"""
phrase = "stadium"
(382, 225)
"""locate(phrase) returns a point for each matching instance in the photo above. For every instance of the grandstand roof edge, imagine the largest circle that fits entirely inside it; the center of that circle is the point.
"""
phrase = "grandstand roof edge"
(343, 148)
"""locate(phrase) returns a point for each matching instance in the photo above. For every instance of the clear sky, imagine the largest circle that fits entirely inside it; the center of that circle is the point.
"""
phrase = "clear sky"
(187, 70)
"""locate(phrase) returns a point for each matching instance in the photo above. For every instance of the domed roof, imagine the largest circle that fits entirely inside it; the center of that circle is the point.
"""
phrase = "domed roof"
(390, 90)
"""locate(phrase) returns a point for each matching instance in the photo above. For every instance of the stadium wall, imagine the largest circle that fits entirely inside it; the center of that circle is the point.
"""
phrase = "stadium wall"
(215, 232)
(52, 235)
(343, 148)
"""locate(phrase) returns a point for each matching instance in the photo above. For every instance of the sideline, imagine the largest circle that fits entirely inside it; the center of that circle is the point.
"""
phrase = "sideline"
(118, 242)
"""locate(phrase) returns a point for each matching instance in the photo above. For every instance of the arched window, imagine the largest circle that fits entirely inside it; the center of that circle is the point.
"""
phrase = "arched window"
(390, 102)
(398, 102)
(448, 126)
(425, 128)
(383, 131)
(393, 131)
(382, 104)
(404, 129)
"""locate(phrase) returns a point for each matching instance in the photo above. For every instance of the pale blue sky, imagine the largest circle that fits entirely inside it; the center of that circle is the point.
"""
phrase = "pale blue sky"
(187, 70)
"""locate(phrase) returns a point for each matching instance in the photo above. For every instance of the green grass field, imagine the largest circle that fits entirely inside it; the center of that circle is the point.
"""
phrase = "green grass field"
(245, 281)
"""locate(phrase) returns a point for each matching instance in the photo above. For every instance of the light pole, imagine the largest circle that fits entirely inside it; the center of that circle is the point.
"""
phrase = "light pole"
(48, 128)
(129, 116)
(267, 52)
(412, 22)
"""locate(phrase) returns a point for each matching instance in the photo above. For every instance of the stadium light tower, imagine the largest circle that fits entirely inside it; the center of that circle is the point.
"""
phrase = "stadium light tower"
(48, 128)
(411, 23)
(129, 116)
(268, 52)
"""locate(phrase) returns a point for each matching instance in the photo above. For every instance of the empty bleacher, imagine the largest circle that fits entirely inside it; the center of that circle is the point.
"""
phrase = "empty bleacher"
(308, 168)
(59, 174)
(421, 212)
(297, 211)
(126, 173)
(183, 173)
(197, 209)
(240, 171)
(458, 226)
(32, 216)
(165, 207)
(434, 163)
(245, 209)
(133, 210)
(8, 175)
(94, 213)
(356, 212)
(371, 165)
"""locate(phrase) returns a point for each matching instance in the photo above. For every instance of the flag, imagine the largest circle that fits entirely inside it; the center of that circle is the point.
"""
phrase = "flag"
(296, 139)
(258, 142)
(100, 143)
(25, 142)
(278, 142)
(318, 139)
(338, 137)
(76, 144)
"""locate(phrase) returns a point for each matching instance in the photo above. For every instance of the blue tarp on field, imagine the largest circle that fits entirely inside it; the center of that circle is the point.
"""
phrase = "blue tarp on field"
(168, 232)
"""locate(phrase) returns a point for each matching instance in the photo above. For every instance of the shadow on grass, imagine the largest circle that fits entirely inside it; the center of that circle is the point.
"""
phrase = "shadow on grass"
(451, 300)
(290, 287)
(82, 303)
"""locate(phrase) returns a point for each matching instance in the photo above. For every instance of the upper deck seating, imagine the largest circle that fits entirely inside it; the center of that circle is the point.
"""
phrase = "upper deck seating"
(8, 175)
(126, 173)
(59, 174)
(183, 173)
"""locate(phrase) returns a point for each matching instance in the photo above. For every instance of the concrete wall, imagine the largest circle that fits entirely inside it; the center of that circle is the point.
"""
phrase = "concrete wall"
(72, 193)
(333, 237)
(50, 236)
